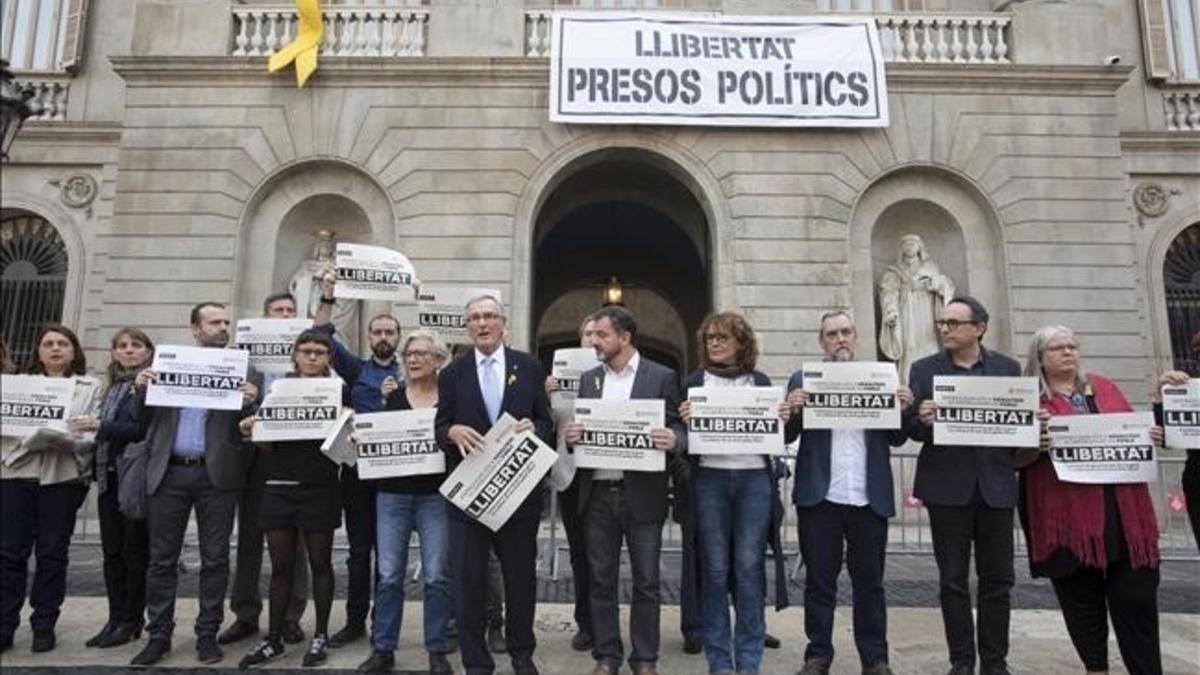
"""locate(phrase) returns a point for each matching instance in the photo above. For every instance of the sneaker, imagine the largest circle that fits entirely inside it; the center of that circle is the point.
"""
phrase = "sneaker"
(316, 655)
(267, 650)
(379, 662)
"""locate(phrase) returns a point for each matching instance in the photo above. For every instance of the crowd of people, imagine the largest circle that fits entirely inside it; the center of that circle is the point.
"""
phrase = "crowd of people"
(1097, 544)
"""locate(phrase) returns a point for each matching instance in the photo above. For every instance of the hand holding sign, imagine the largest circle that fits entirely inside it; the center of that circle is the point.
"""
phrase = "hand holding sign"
(372, 273)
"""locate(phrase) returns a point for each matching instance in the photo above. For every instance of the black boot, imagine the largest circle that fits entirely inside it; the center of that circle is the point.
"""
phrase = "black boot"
(124, 633)
(43, 639)
(99, 638)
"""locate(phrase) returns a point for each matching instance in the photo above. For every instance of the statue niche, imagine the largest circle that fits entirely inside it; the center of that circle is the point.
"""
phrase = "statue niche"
(912, 290)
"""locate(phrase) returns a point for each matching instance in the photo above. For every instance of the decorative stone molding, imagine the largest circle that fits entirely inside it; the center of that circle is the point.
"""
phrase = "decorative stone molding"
(1151, 199)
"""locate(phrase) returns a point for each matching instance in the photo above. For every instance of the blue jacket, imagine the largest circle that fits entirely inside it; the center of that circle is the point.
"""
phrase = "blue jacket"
(811, 483)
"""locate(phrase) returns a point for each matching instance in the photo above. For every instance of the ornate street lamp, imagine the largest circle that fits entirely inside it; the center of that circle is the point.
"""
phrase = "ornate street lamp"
(14, 108)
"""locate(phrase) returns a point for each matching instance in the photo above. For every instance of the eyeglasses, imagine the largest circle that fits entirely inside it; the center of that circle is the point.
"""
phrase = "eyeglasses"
(483, 316)
(418, 354)
(951, 324)
(312, 353)
(719, 338)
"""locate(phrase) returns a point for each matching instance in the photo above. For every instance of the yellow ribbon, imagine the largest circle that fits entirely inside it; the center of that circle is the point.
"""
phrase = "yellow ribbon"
(302, 50)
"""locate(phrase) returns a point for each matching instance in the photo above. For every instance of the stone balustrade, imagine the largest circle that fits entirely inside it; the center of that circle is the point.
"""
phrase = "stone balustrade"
(1182, 109)
(260, 30)
(50, 91)
(904, 38)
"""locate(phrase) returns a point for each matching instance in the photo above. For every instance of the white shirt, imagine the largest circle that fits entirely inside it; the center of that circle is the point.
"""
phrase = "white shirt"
(735, 462)
(847, 467)
(497, 366)
(617, 387)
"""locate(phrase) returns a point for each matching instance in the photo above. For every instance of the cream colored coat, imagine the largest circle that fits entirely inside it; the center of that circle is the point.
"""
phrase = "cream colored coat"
(52, 456)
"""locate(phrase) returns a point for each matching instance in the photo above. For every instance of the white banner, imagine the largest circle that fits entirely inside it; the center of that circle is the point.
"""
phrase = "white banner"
(986, 411)
(397, 443)
(298, 408)
(337, 445)
(735, 421)
(704, 69)
(32, 402)
(441, 310)
(490, 485)
(198, 377)
(372, 273)
(1181, 415)
(616, 434)
(568, 366)
(1109, 448)
(851, 395)
(269, 342)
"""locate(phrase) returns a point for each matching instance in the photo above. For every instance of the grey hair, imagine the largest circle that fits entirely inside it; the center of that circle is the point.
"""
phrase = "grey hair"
(1037, 347)
(439, 347)
(486, 296)
(831, 314)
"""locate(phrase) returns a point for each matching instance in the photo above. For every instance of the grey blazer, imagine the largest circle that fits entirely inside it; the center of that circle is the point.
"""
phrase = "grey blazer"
(646, 492)
(226, 454)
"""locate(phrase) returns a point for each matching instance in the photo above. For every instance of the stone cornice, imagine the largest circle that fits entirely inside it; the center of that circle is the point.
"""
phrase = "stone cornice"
(1161, 142)
(78, 133)
(217, 71)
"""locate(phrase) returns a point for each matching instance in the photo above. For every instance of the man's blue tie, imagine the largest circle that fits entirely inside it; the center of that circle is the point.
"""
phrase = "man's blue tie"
(493, 394)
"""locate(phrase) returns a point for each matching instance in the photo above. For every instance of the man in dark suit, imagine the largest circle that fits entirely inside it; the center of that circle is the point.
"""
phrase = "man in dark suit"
(970, 493)
(843, 493)
(473, 392)
(630, 505)
(197, 459)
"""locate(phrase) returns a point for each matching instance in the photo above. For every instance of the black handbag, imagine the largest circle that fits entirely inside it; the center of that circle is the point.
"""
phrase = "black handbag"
(131, 481)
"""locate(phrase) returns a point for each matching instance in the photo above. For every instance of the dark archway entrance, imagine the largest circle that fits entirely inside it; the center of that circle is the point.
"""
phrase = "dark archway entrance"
(623, 214)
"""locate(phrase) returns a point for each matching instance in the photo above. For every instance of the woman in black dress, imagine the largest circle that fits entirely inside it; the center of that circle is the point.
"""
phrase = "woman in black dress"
(301, 498)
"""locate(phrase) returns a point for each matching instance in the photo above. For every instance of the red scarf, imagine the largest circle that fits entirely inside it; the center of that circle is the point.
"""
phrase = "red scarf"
(1071, 515)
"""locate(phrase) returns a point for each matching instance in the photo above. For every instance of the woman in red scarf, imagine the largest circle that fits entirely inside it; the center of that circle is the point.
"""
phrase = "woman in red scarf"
(1098, 544)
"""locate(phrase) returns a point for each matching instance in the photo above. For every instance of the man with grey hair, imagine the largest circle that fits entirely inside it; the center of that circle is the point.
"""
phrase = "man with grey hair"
(843, 493)
(473, 392)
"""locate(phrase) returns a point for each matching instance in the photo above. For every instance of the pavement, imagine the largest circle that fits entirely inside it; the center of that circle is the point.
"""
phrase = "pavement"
(1039, 642)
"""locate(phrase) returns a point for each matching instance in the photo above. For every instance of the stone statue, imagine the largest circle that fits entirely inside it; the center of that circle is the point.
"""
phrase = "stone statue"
(910, 293)
(306, 287)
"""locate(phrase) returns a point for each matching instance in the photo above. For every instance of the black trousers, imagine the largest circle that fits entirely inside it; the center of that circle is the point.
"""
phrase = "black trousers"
(38, 520)
(516, 546)
(182, 489)
(955, 530)
(245, 597)
(1090, 596)
(358, 505)
(823, 528)
(568, 507)
(1191, 491)
(126, 547)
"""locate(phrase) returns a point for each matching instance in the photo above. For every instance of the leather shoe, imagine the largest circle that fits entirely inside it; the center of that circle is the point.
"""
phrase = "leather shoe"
(96, 639)
(581, 641)
(771, 642)
(239, 630)
(604, 668)
(152, 653)
(524, 666)
(43, 639)
(439, 664)
(495, 640)
(692, 646)
(880, 668)
(124, 632)
(347, 635)
(645, 669)
(379, 662)
(293, 634)
(815, 666)
(207, 650)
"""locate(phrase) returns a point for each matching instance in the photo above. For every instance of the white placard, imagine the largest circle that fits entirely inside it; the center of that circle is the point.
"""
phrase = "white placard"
(198, 377)
(568, 366)
(372, 273)
(29, 403)
(851, 395)
(986, 411)
(441, 310)
(616, 434)
(735, 421)
(490, 485)
(713, 70)
(337, 445)
(397, 443)
(1181, 415)
(299, 408)
(1108, 448)
(269, 342)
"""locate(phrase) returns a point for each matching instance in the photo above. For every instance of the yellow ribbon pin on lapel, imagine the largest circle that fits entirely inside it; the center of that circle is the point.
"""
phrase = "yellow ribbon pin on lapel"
(302, 50)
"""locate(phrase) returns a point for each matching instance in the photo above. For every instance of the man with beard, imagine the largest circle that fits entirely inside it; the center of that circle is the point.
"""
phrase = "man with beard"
(196, 459)
(366, 378)
(843, 493)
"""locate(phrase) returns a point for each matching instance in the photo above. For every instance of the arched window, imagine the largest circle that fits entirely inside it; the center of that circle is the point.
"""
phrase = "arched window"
(33, 280)
(1181, 277)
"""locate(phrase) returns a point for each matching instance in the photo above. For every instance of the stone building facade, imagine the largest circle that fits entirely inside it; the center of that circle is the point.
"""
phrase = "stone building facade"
(169, 167)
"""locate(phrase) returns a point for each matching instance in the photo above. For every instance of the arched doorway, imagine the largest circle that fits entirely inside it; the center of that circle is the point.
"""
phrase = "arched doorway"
(622, 213)
(33, 280)
(1181, 281)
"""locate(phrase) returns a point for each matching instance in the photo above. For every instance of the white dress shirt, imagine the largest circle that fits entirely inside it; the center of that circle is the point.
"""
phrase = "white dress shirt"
(617, 387)
(735, 462)
(848, 467)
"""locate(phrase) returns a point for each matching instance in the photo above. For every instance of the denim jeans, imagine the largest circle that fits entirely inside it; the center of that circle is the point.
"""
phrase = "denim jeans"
(734, 509)
(397, 516)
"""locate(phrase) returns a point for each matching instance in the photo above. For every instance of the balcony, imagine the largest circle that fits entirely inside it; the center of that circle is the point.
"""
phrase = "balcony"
(260, 30)
(50, 92)
(1181, 109)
